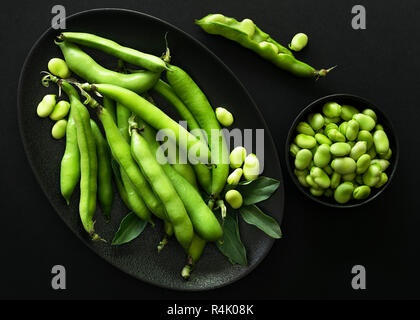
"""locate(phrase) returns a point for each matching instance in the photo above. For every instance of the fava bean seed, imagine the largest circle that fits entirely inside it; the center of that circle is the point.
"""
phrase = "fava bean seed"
(348, 176)
(59, 68)
(344, 165)
(379, 127)
(363, 163)
(347, 112)
(316, 192)
(310, 181)
(361, 192)
(234, 198)
(373, 175)
(304, 141)
(58, 131)
(303, 159)
(322, 156)
(365, 135)
(320, 177)
(387, 155)
(340, 149)
(382, 162)
(344, 192)
(370, 113)
(322, 139)
(316, 121)
(294, 149)
(224, 117)
(238, 155)
(328, 170)
(381, 142)
(332, 120)
(329, 127)
(60, 110)
(336, 136)
(46, 106)
(382, 180)
(331, 109)
(335, 180)
(305, 128)
(358, 150)
(235, 177)
(352, 130)
(365, 122)
(298, 42)
(251, 167)
(343, 127)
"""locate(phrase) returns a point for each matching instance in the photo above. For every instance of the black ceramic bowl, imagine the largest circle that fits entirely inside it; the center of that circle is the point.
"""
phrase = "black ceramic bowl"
(361, 104)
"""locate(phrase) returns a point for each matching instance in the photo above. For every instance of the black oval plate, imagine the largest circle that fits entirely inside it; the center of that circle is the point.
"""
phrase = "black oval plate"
(139, 258)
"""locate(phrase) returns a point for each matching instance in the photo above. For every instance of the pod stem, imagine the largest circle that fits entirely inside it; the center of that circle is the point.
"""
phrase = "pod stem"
(323, 72)
(162, 243)
(188, 268)
(221, 205)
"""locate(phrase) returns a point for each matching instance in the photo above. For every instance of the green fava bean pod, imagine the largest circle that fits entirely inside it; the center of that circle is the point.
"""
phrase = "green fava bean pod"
(381, 142)
(247, 34)
(105, 192)
(70, 163)
(336, 135)
(305, 128)
(119, 183)
(88, 161)
(347, 112)
(370, 113)
(87, 68)
(365, 135)
(303, 159)
(147, 61)
(382, 180)
(205, 223)
(373, 175)
(322, 156)
(304, 141)
(322, 139)
(162, 186)
(153, 116)
(361, 192)
(320, 177)
(316, 121)
(331, 109)
(46, 106)
(352, 130)
(194, 253)
(344, 165)
(340, 149)
(358, 150)
(122, 153)
(344, 192)
(60, 110)
(365, 122)
(198, 104)
(335, 180)
(203, 173)
(58, 131)
(363, 163)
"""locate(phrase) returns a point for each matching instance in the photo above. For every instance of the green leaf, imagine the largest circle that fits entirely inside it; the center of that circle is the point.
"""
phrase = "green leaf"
(130, 228)
(231, 245)
(253, 215)
(257, 190)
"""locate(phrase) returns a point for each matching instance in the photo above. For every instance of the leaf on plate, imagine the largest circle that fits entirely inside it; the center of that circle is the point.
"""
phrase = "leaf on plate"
(231, 245)
(130, 228)
(257, 190)
(253, 215)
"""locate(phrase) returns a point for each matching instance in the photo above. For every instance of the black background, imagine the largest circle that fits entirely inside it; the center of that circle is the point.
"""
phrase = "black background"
(321, 245)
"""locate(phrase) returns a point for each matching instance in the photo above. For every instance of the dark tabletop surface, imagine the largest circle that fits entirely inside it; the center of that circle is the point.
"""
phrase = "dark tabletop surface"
(320, 244)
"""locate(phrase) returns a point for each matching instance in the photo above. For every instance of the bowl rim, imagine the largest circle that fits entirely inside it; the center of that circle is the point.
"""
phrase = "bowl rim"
(360, 100)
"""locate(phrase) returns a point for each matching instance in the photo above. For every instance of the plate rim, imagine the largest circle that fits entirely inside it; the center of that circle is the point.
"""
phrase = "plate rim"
(227, 69)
